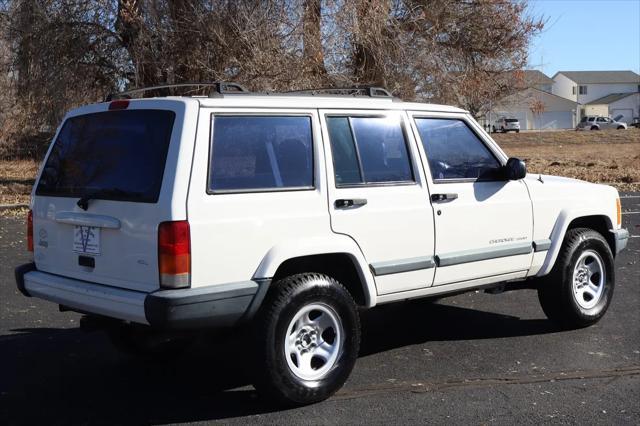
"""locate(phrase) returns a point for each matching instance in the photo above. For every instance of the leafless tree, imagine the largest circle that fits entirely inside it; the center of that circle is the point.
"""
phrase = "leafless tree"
(57, 54)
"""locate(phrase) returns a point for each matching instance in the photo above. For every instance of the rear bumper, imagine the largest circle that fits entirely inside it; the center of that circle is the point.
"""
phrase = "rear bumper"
(218, 306)
(621, 239)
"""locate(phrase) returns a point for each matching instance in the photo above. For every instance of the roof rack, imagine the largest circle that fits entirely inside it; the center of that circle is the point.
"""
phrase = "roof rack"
(218, 88)
(371, 91)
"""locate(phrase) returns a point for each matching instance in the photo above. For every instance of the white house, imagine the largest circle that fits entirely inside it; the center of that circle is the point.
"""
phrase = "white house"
(625, 104)
(535, 106)
(587, 86)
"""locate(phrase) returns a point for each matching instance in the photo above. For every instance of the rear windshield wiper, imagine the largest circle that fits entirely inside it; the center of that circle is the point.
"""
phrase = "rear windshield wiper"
(83, 202)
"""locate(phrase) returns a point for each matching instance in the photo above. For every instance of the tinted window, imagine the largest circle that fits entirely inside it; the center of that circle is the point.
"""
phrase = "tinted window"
(345, 158)
(511, 120)
(368, 150)
(258, 153)
(115, 155)
(454, 151)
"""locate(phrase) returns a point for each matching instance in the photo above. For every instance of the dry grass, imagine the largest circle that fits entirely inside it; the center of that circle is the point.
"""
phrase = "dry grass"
(16, 180)
(611, 156)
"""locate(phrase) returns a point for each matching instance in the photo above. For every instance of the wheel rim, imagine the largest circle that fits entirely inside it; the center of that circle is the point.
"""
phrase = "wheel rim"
(589, 278)
(314, 341)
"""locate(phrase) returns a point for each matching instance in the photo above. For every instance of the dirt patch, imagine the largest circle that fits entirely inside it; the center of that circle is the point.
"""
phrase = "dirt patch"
(16, 181)
(611, 156)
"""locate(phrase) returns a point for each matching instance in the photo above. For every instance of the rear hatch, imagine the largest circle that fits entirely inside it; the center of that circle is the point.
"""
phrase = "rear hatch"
(108, 181)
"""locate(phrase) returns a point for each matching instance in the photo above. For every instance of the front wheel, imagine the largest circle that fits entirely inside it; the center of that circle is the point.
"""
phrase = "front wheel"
(579, 288)
(308, 337)
(620, 127)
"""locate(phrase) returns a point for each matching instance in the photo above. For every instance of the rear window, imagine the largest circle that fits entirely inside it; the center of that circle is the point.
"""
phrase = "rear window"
(115, 155)
(511, 120)
(261, 153)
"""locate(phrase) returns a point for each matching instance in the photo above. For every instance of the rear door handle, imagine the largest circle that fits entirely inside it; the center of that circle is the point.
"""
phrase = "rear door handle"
(436, 198)
(350, 203)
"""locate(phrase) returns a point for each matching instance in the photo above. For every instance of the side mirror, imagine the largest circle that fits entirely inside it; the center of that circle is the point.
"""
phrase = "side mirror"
(515, 169)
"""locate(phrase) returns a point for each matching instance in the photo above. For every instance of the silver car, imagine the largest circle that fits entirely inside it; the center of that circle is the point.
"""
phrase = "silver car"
(595, 122)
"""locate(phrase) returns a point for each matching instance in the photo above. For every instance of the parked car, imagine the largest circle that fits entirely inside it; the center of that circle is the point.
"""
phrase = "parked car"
(635, 122)
(594, 122)
(287, 214)
(506, 124)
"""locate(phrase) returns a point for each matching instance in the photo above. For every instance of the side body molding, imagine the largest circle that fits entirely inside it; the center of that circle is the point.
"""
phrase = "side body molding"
(559, 231)
(329, 244)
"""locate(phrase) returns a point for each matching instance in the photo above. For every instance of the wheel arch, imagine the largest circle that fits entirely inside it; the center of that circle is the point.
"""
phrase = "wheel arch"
(597, 221)
(337, 256)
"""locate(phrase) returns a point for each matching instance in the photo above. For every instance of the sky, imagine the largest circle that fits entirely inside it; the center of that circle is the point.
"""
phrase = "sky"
(586, 35)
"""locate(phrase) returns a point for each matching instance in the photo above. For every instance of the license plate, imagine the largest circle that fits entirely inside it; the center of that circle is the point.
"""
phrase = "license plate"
(86, 239)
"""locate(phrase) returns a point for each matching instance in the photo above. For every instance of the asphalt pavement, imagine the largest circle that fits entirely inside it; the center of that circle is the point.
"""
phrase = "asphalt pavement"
(475, 359)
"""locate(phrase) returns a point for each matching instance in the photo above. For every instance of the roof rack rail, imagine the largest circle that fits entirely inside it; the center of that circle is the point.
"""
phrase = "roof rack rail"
(219, 88)
(371, 91)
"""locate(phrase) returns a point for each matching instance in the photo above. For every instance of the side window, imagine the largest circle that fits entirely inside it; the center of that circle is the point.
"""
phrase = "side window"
(261, 153)
(368, 150)
(455, 152)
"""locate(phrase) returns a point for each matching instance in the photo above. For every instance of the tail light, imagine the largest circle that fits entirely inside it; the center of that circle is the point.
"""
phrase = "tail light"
(30, 231)
(618, 211)
(174, 254)
(119, 104)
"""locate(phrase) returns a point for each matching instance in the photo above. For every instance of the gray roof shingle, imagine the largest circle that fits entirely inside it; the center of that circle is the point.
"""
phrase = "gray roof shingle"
(610, 98)
(601, 76)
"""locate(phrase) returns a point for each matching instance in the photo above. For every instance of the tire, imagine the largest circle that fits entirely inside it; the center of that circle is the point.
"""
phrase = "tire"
(283, 338)
(502, 130)
(595, 128)
(517, 131)
(494, 129)
(140, 342)
(620, 127)
(567, 294)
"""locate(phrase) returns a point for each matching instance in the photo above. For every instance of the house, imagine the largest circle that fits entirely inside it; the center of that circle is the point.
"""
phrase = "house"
(535, 106)
(615, 104)
(585, 87)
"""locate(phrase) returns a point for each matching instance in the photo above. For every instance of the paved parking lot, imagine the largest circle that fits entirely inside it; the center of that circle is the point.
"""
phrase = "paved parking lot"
(475, 358)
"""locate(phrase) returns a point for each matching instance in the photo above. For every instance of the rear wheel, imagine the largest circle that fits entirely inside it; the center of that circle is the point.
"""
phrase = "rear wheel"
(595, 128)
(308, 337)
(620, 127)
(579, 288)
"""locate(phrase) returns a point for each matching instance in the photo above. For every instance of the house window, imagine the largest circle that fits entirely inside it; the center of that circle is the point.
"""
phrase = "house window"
(582, 90)
(573, 90)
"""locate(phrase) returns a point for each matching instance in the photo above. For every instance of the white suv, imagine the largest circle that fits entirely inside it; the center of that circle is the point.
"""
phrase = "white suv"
(285, 214)
(506, 124)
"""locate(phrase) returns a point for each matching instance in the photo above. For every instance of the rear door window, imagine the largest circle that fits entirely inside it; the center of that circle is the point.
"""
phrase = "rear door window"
(368, 150)
(114, 155)
(261, 153)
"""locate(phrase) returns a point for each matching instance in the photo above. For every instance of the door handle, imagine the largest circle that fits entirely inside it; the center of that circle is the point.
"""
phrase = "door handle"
(350, 203)
(436, 198)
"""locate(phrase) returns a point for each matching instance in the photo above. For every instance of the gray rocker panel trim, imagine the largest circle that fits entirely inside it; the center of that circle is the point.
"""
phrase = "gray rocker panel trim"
(467, 256)
(402, 265)
(541, 245)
